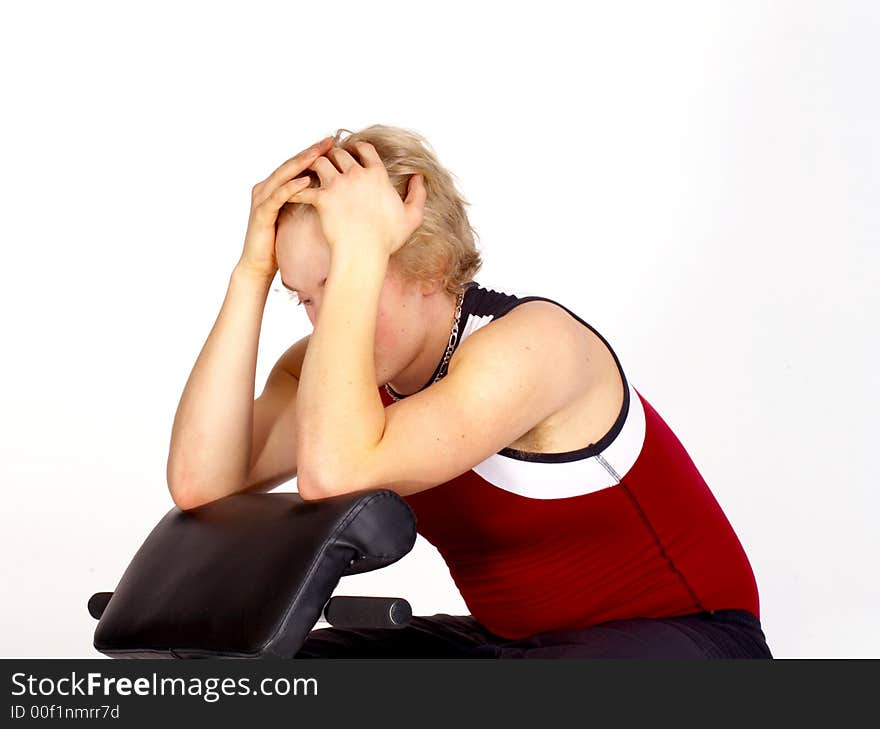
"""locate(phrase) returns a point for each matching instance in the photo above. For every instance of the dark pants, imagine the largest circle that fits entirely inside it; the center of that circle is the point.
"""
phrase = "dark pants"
(722, 634)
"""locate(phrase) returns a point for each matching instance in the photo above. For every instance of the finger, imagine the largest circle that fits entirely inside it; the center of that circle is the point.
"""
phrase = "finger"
(369, 156)
(343, 160)
(310, 196)
(269, 208)
(325, 169)
(293, 166)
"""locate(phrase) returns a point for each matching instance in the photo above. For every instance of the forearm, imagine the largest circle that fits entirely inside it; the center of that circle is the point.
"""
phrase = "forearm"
(339, 414)
(210, 451)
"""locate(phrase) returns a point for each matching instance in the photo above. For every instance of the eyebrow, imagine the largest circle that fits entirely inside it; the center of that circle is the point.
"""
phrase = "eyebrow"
(294, 290)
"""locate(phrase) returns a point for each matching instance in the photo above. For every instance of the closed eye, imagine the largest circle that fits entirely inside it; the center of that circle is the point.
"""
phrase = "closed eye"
(292, 295)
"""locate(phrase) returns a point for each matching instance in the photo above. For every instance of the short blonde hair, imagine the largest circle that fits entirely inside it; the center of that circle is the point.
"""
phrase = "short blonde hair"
(443, 248)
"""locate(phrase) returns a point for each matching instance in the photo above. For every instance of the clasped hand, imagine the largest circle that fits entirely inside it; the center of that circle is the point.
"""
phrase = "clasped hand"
(357, 204)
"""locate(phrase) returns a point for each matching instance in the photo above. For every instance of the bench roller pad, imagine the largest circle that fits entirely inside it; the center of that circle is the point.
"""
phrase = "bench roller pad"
(247, 576)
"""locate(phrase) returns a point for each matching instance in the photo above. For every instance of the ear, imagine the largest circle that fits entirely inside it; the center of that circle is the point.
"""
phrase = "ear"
(430, 286)
(414, 203)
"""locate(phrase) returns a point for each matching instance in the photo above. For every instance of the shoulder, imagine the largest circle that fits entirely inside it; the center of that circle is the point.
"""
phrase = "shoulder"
(540, 312)
(539, 322)
(539, 338)
(291, 360)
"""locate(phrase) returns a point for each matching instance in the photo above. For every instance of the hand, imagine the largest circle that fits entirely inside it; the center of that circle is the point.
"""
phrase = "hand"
(358, 205)
(267, 197)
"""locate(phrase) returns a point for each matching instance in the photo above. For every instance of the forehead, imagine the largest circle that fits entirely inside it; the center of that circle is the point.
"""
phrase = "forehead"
(298, 221)
(301, 249)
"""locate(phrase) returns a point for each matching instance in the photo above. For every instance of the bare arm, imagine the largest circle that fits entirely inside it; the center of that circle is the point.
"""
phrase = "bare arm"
(211, 439)
(273, 453)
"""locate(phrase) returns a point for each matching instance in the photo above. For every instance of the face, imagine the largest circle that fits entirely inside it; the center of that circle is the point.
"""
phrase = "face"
(303, 257)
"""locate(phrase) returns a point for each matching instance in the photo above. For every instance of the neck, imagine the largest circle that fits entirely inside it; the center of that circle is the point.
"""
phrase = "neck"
(417, 373)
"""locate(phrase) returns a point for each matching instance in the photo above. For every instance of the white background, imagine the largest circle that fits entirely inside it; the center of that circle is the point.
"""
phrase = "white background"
(697, 180)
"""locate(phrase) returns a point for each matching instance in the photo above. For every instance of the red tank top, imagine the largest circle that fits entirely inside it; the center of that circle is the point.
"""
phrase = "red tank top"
(625, 527)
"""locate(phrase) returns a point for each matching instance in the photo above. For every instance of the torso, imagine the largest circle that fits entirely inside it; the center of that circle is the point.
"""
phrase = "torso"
(596, 514)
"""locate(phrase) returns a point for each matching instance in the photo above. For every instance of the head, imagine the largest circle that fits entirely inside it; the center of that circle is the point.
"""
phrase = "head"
(424, 275)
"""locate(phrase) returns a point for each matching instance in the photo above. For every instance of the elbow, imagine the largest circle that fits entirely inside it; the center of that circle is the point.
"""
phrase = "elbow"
(185, 498)
(185, 493)
(313, 484)
(182, 494)
(311, 488)
(182, 500)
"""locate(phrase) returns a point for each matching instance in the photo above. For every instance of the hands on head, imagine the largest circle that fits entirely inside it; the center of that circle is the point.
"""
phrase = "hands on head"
(357, 204)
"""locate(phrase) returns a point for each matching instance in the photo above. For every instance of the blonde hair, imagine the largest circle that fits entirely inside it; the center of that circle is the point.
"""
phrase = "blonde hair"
(443, 248)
